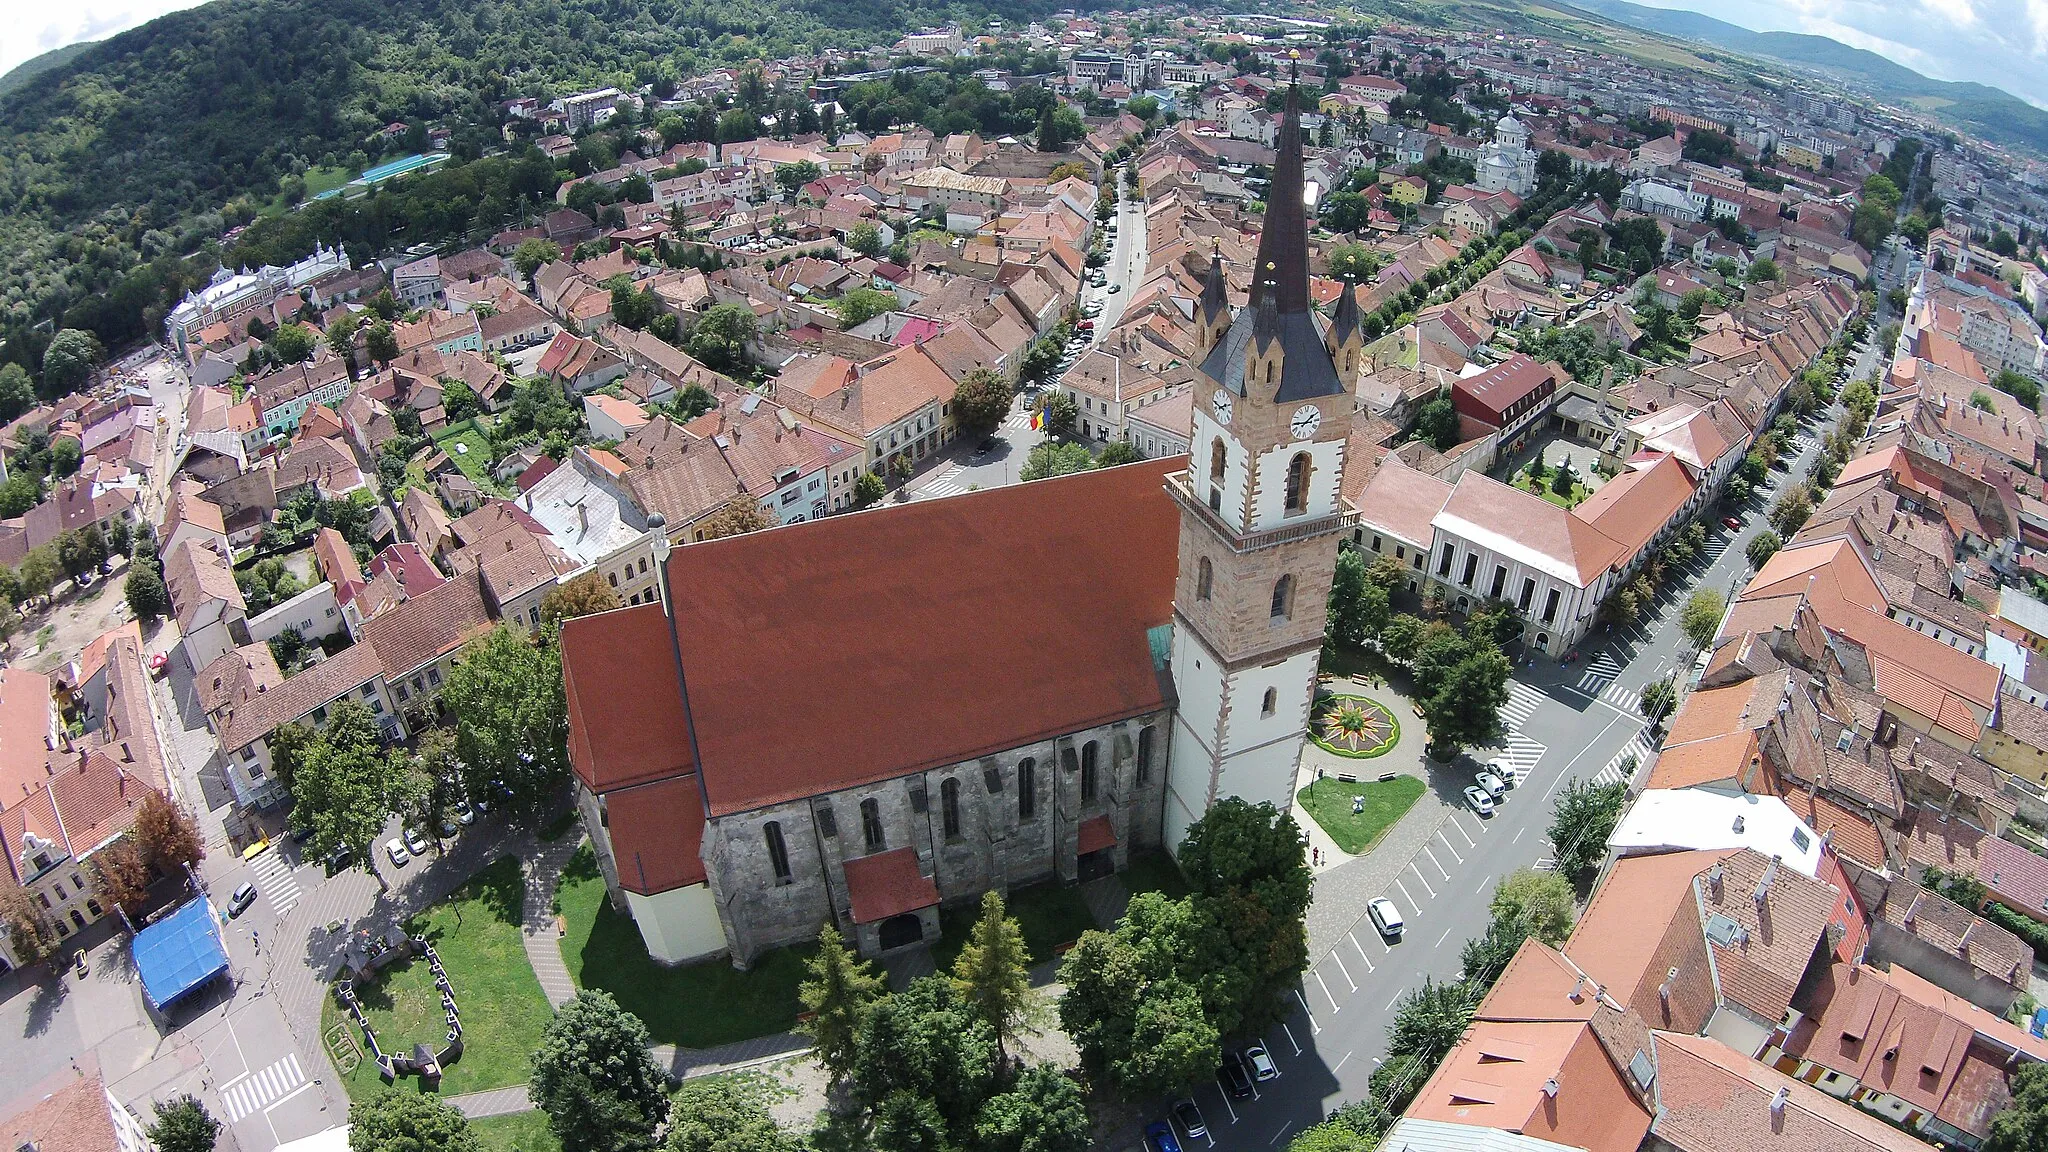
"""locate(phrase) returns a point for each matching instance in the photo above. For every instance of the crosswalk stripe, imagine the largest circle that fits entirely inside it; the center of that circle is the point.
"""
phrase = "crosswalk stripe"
(276, 880)
(1639, 747)
(259, 1088)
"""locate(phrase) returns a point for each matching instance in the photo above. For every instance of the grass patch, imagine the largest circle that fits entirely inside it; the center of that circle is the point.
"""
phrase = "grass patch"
(1050, 915)
(519, 1132)
(476, 462)
(1356, 663)
(1354, 727)
(476, 931)
(1570, 499)
(697, 1005)
(1329, 801)
(1155, 872)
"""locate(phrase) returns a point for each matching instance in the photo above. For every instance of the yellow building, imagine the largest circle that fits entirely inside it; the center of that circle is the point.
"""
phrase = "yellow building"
(1800, 157)
(1408, 190)
(2019, 744)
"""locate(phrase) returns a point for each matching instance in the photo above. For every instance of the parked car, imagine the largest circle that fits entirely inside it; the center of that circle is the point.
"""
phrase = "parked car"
(240, 901)
(83, 965)
(465, 814)
(1236, 1078)
(1114, 288)
(1731, 523)
(1263, 1068)
(1493, 785)
(1479, 800)
(1190, 1118)
(1385, 917)
(395, 848)
(1159, 1137)
(1499, 768)
(415, 841)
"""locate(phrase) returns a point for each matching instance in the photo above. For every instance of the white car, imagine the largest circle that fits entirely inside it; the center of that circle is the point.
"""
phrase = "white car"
(1499, 768)
(416, 841)
(395, 848)
(1479, 800)
(1491, 784)
(1263, 1068)
(1385, 917)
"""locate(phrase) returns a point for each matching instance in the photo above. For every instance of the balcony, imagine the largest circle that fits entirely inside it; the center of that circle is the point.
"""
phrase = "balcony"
(1243, 543)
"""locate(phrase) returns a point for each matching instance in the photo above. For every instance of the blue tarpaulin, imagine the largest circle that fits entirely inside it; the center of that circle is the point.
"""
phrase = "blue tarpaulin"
(179, 953)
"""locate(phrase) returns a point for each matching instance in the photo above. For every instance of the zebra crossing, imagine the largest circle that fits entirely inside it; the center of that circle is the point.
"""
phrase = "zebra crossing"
(1627, 699)
(276, 880)
(1639, 748)
(946, 483)
(1020, 419)
(262, 1088)
(1601, 671)
(1717, 544)
(1522, 703)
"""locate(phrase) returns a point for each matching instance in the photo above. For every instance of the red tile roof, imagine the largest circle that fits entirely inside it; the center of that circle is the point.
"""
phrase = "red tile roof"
(888, 884)
(657, 833)
(1095, 835)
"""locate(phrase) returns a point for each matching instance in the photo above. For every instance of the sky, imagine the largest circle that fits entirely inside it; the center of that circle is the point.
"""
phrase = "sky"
(29, 28)
(2003, 43)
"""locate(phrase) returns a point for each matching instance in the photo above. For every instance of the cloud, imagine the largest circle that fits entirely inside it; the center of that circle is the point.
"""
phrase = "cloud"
(2002, 43)
(29, 28)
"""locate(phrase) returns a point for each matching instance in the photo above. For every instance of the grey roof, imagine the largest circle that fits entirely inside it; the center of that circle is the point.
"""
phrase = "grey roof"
(1306, 370)
(2023, 610)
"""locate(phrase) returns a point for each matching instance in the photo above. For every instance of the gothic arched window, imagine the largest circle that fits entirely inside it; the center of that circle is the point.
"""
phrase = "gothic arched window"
(1283, 598)
(1297, 483)
(1205, 575)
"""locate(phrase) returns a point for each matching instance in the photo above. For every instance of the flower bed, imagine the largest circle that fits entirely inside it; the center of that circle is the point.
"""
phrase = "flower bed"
(1354, 727)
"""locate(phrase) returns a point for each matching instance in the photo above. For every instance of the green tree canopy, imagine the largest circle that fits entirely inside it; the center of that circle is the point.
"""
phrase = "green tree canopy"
(1050, 458)
(860, 305)
(342, 785)
(724, 1114)
(1250, 877)
(511, 720)
(400, 1121)
(1540, 902)
(1701, 617)
(1582, 818)
(595, 1078)
(1044, 1111)
(992, 974)
(865, 238)
(184, 1125)
(69, 361)
(836, 994)
(930, 1044)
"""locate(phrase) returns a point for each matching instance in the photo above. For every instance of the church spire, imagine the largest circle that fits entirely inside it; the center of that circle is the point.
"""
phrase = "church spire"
(1282, 267)
(1215, 291)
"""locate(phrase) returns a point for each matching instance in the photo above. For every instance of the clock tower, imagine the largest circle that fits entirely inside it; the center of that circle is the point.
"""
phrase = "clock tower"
(1261, 513)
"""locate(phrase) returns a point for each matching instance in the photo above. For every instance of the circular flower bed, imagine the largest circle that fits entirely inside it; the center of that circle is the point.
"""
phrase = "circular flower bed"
(1355, 727)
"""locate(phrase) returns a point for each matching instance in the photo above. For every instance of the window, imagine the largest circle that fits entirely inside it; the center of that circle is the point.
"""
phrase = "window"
(1283, 598)
(434, 674)
(1528, 590)
(1218, 455)
(1297, 485)
(1271, 702)
(1205, 575)
(403, 694)
(1088, 773)
(613, 577)
(949, 808)
(1471, 569)
(1550, 607)
(1443, 566)
(871, 824)
(1500, 580)
(1027, 788)
(643, 566)
(828, 822)
(778, 852)
(1144, 753)
(1375, 542)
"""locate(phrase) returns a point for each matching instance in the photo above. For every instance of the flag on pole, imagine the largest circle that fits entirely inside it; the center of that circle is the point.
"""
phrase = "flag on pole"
(1038, 419)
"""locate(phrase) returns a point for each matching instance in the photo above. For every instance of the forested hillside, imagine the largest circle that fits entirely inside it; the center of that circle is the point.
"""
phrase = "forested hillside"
(115, 164)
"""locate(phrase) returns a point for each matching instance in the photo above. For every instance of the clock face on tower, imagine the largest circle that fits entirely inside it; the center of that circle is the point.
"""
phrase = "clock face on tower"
(1221, 403)
(1307, 419)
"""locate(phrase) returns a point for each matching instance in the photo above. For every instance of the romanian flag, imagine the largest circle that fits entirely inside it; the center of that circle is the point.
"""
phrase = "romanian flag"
(1038, 419)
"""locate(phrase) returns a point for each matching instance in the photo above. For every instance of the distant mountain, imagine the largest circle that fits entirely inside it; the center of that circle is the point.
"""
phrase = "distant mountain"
(35, 66)
(1981, 109)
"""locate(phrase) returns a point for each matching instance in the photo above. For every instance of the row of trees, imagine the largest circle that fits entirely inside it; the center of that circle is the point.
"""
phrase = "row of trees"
(1460, 675)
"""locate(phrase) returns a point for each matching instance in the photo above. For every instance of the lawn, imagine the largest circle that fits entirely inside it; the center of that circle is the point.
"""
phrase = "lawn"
(519, 1132)
(476, 931)
(475, 463)
(1329, 801)
(696, 1005)
(1570, 499)
(1155, 872)
(1051, 914)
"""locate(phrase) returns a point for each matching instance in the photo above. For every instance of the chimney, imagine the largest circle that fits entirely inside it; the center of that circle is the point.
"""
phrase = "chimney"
(1763, 885)
(582, 518)
(1779, 1099)
(1550, 1087)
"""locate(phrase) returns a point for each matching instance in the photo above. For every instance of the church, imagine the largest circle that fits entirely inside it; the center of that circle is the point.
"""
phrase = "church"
(857, 720)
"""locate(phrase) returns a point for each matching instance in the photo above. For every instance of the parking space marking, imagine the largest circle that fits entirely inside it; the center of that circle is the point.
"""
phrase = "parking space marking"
(1439, 864)
(1280, 1133)
(1405, 895)
(1290, 1033)
(1424, 879)
(1361, 952)
(1334, 1006)
(1344, 970)
(1314, 1029)
(1460, 826)
(1449, 847)
(1226, 1100)
(1446, 936)
(1340, 1062)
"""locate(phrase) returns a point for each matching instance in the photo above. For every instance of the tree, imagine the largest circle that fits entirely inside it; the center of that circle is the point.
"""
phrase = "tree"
(1354, 263)
(724, 1114)
(1333, 1136)
(1401, 639)
(17, 392)
(791, 178)
(1061, 413)
(1465, 709)
(1044, 1111)
(69, 361)
(1248, 876)
(721, 337)
(65, 454)
(1437, 422)
(403, 1121)
(380, 342)
(38, 571)
(184, 1125)
(291, 343)
(1132, 1005)
(1486, 956)
(166, 834)
(2020, 388)
(1791, 510)
(512, 724)
(144, 588)
(1049, 458)
(929, 1044)
(742, 514)
(1656, 699)
(1762, 548)
(1117, 452)
(586, 595)
(1430, 1019)
(2022, 1125)
(27, 930)
(1701, 617)
(341, 337)
(992, 974)
(836, 996)
(857, 306)
(1540, 902)
(342, 786)
(20, 493)
(865, 238)
(981, 401)
(595, 1078)
(1358, 604)
(1582, 818)
(120, 877)
(867, 489)
(633, 308)
(531, 254)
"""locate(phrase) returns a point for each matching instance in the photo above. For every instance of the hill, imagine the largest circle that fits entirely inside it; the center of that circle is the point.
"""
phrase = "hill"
(1977, 108)
(35, 66)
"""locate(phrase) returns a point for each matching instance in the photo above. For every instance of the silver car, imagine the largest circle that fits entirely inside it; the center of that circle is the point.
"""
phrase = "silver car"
(1386, 917)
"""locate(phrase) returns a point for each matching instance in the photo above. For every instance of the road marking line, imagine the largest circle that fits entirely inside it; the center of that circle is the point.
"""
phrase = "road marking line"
(1405, 895)
(1361, 952)
(1315, 1029)
(1395, 1000)
(1280, 1133)
(1561, 776)
(1290, 1036)
(1439, 864)
(1340, 1061)
(303, 1087)
(1344, 970)
(1334, 1006)
(1226, 1101)
(1424, 879)
(1482, 887)
(1518, 836)
(1460, 826)
(1447, 846)
(1446, 936)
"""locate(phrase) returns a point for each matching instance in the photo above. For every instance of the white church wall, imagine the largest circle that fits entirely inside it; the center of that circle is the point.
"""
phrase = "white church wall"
(679, 925)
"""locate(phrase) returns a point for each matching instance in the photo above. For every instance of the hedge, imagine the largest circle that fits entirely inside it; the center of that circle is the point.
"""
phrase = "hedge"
(2021, 925)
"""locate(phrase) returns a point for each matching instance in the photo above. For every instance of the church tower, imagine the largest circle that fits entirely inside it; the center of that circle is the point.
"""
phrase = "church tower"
(1261, 514)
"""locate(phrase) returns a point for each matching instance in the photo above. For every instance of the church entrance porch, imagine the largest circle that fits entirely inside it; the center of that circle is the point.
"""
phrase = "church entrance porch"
(894, 904)
(1096, 850)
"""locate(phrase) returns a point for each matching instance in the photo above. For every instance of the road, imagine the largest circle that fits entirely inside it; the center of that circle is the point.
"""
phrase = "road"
(1126, 267)
(1566, 721)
